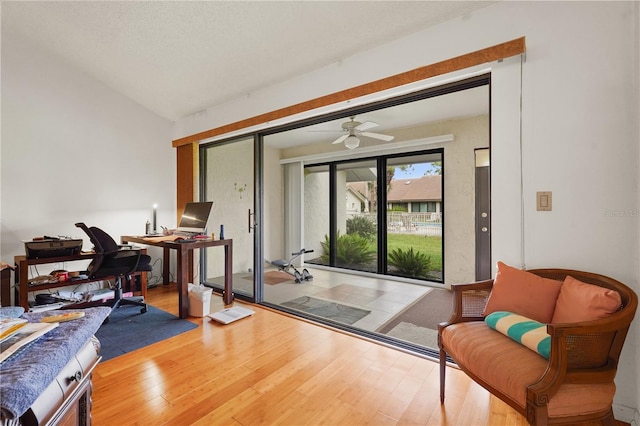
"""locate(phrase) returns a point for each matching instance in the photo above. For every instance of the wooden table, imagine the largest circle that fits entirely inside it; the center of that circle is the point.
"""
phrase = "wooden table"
(184, 270)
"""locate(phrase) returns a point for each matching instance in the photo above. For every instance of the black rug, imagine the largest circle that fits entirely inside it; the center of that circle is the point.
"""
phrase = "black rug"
(128, 329)
(327, 309)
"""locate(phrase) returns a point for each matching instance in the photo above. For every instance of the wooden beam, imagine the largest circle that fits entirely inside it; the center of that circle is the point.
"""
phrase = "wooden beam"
(186, 158)
(489, 54)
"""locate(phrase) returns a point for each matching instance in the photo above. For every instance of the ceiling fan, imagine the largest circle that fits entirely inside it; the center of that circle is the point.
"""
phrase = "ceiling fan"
(355, 129)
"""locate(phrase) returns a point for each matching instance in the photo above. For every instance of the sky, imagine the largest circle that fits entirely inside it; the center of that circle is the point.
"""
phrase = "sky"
(416, 171)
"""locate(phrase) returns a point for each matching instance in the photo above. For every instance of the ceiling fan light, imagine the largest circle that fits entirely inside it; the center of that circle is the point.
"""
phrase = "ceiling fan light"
(352, 142)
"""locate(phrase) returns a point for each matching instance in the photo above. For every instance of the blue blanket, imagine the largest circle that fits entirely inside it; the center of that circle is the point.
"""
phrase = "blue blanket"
(27, 373)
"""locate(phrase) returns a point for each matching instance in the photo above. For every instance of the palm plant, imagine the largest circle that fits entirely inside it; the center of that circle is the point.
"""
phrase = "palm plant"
(352, 249)
(410, 263)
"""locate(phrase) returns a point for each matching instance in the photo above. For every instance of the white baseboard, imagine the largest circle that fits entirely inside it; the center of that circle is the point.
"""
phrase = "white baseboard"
(626, 414)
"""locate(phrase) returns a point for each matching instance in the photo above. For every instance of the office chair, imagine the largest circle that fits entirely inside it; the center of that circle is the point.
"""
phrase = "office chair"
(113, 260)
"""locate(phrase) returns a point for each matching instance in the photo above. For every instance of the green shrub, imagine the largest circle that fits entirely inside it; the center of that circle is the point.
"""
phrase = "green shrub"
(410, 263)
(352, 249)
(362, 226)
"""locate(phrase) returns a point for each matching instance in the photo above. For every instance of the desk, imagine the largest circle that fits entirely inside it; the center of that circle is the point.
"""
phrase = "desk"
(184, 270)
(21, 276)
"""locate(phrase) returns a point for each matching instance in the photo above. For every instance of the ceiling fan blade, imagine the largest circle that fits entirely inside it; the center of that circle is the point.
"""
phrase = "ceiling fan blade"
(366, 126)
(377, 136)
(340, 139)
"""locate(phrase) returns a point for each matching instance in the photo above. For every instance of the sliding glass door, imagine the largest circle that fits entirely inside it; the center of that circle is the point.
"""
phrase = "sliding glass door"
(356, 217)
(228, 182)
(317, 213)
(372, 219)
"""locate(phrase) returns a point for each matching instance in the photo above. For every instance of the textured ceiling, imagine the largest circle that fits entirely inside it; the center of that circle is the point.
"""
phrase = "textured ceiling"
(178, 58)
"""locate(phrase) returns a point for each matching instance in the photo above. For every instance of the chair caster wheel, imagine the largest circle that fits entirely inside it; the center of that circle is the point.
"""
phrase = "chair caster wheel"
(143, 310)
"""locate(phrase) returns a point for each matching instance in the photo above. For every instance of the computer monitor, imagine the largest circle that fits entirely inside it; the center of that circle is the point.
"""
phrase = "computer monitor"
(195, 217)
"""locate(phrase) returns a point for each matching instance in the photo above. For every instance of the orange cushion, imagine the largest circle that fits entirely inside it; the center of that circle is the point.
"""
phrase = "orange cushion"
(523, 293)
(580, 301)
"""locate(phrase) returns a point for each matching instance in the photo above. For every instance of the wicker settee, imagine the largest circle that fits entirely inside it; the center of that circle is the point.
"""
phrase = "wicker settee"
(575, 384)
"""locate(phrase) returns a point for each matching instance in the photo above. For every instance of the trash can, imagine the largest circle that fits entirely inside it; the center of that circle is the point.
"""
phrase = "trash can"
(199, 300)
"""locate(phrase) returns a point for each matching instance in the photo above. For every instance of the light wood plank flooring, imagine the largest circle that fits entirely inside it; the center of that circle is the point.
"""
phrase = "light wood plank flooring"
(272, 369)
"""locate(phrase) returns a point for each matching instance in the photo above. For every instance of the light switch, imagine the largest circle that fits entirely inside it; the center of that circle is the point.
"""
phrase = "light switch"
(543, 201)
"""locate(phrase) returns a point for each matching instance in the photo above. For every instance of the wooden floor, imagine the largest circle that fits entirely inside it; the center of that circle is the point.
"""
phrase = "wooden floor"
(272, 369)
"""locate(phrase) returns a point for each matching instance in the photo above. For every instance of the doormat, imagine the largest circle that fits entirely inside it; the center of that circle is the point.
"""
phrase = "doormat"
(415, 334)
(128, 329)
(326, 309)
(427, 312)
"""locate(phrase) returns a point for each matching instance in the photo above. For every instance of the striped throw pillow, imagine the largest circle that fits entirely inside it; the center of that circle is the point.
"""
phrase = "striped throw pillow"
(523, 330)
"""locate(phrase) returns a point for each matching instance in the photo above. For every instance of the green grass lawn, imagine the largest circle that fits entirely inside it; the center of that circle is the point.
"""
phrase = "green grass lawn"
(431, 246)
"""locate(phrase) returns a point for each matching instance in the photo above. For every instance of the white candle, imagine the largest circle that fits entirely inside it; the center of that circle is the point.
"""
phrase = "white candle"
(155, 208)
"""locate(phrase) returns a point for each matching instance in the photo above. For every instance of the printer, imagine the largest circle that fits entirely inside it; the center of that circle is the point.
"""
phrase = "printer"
(46, 247)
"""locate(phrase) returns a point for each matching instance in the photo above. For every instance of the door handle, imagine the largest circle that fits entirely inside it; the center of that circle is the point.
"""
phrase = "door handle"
(250, 225)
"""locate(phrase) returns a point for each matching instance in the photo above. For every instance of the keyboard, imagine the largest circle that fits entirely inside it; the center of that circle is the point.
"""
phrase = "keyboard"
(185, 234)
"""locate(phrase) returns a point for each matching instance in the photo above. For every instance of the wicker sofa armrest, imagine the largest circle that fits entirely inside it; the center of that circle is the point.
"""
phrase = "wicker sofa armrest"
(469, 301)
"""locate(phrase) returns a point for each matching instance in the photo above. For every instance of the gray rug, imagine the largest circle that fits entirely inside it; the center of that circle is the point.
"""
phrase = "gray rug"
(327, 309)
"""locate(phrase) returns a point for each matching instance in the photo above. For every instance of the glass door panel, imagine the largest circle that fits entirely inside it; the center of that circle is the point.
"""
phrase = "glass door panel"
(356, 216)
(317, 214)
(415, 213)
(228, 183)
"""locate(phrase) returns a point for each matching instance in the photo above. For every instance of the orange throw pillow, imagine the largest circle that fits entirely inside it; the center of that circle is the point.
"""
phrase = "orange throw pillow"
(580, 301)
(523, 293)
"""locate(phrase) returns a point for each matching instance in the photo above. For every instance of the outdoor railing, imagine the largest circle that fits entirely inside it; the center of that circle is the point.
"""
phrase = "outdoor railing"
(426, 223)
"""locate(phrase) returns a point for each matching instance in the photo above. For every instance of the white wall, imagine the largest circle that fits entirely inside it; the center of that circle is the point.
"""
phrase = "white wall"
(74, 150)
(579, 134)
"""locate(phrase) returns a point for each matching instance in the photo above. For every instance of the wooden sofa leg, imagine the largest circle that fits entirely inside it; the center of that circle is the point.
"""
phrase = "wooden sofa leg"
(609, 420)
(443, 366)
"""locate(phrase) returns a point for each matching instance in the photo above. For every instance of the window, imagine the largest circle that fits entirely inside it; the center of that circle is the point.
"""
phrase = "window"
(371, 240)
(429, 206)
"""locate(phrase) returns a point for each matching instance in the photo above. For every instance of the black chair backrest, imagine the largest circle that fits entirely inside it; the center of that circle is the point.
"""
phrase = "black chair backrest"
(102, 242)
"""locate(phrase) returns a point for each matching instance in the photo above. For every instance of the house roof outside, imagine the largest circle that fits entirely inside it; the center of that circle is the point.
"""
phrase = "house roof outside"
(360, 189)
(425, 188)
(356, 192)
